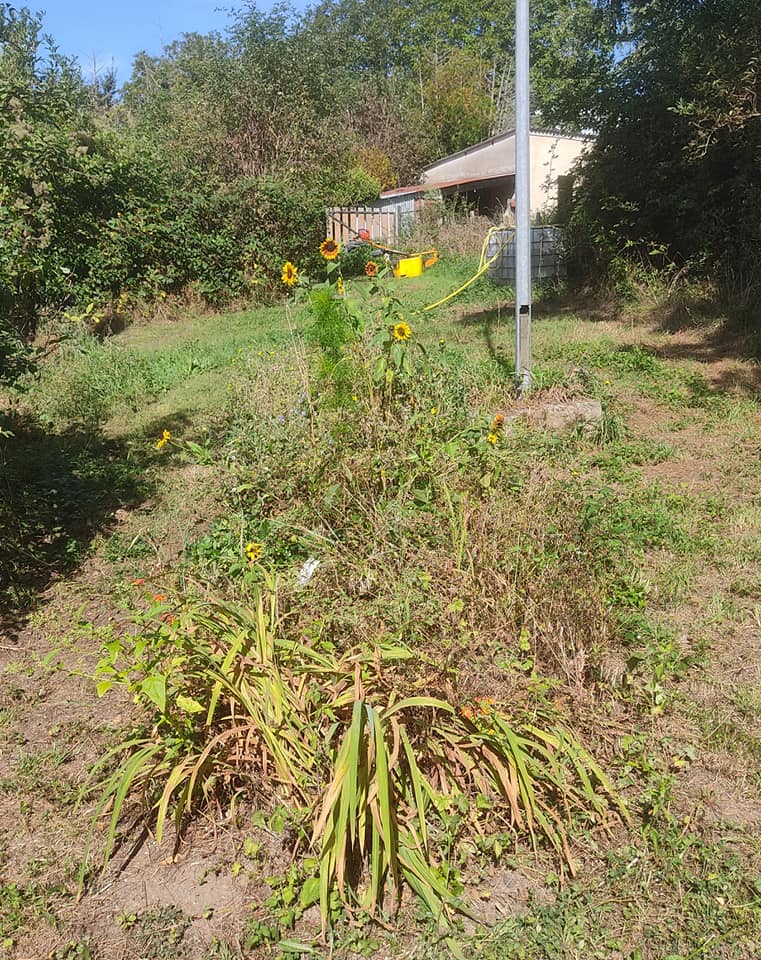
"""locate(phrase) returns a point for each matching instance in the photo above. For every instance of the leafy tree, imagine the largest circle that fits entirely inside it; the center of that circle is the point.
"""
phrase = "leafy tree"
(457, 106)
(43, 138)
(677, 161)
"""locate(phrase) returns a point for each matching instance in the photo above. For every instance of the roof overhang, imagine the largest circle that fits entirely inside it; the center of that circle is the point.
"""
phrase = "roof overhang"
(449, 186)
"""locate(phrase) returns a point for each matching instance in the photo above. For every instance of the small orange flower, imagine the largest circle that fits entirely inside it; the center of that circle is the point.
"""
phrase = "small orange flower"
(139, 582)
(159, 597)
(499, 420)
(371, 268)
(330, 248)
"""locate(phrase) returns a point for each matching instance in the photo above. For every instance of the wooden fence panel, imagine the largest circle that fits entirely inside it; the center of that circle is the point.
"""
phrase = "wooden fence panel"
(381, 223)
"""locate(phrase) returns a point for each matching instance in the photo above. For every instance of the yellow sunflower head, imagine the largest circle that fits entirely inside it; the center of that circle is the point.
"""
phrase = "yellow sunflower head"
(254, 551)
(492, 438)
(330, 248)
(402, 331)
(371, 268)
(290, 274)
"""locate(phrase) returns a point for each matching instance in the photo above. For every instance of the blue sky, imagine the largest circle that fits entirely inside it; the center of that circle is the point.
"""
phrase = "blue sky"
(118, 30)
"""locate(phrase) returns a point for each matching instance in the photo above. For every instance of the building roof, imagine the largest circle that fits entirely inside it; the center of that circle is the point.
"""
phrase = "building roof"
(499, 137)
(470, 182)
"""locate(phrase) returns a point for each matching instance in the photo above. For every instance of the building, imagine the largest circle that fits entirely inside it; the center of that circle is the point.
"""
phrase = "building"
(483, 176)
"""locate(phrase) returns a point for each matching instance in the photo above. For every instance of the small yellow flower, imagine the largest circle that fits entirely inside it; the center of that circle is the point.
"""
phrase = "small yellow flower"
(340, 287)
(330, 249)
(434, 411)
(492, 438)
(442, 341)
(166, 436)
(371, 268)
(254, 551)
(402, 331)
(290, 276)
(355, 398)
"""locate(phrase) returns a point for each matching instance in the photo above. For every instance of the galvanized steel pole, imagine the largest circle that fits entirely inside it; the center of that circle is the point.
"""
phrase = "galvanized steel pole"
(522, 199)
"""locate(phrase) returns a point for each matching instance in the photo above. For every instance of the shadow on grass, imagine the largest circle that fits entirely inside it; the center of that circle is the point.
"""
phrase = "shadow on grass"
(57, 490)
(491, 321)
(715, 332)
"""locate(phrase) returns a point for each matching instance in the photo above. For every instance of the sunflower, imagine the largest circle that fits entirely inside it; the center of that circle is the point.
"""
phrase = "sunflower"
(254, 551)
(402, 331)
(290, 274)
(492, 438)
(371, 268)
(330, 249)
(166, 436)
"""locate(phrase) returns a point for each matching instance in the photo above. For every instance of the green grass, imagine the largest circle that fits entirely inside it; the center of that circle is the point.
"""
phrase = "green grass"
(91, 381)
(515, 574)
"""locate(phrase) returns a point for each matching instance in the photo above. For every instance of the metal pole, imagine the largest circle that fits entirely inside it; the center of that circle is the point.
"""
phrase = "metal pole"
(522, 199)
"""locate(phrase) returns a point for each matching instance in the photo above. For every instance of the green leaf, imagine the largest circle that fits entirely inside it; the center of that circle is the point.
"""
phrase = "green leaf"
(379, 371)
(310, 892)
(295, 946)
(154, 687)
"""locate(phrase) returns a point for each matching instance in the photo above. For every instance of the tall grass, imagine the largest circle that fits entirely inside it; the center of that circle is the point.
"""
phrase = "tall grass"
(89, 380)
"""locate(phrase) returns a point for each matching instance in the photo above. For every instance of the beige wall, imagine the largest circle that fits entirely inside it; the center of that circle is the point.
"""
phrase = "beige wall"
(552, 156)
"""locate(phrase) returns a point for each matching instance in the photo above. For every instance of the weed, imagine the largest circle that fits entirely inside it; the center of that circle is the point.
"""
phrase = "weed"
(643, 518)
(36, 772)
(233, 699)
(157, 933)
(76, 950)
(20, 904)
(623, 453)
(655, 656)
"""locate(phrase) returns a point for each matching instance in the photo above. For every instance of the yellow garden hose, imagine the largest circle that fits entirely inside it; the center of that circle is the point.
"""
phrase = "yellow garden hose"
(483, 266)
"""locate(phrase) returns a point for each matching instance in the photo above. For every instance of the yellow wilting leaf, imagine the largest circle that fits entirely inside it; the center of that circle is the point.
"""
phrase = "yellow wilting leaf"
(188, 704)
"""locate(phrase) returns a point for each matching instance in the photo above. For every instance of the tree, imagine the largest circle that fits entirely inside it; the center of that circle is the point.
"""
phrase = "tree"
(677, 161)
